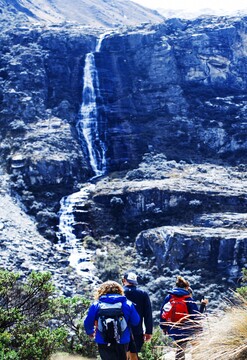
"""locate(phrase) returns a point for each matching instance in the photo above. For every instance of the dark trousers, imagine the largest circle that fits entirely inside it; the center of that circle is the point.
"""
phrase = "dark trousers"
(180, 353)
(113, 351)
(136, 342)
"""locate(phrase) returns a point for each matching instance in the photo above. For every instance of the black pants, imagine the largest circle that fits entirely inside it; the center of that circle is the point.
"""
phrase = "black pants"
(180, 353)
(136, 342)
(113, 351)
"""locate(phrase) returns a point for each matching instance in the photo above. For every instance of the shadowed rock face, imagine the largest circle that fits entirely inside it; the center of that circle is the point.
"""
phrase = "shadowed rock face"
(217, 251)
(179, 88)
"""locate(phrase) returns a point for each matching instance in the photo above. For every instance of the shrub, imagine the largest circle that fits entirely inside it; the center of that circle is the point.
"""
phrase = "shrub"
(153, 349)
(243, 289)
(34, 323)
(70, 313)
(24, 316)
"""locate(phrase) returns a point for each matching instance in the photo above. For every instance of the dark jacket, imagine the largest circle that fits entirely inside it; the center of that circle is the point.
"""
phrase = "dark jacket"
(130, 314)
(142, 304)
(186, 328)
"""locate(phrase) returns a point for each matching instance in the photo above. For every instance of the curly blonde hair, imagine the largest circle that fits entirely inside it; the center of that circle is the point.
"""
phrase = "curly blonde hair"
(109, 287)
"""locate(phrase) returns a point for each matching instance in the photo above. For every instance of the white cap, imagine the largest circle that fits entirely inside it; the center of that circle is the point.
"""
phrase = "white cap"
(131, 278)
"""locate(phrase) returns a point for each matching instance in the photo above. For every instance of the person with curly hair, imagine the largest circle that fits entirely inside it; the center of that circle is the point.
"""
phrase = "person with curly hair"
(110, 292)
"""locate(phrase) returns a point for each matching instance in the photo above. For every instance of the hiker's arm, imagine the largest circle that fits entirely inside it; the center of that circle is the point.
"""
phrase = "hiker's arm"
(193, 310)
(148, 318)
(90, 321)
(134, 316)
(163, 326)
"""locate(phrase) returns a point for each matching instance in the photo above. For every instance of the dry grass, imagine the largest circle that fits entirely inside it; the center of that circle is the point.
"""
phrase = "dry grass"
(226, 337)
(65, 356)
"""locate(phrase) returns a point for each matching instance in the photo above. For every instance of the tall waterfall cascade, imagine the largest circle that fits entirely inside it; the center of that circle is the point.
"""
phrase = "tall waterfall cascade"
(87, 127)
(87, 124)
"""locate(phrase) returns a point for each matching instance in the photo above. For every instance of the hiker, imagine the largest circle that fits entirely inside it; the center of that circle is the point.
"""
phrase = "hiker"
(109, 319)
(180, 316)
(142, 304)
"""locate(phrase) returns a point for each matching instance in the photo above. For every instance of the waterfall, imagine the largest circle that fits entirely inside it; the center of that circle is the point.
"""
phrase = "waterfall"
(87, 124)
(87, 127)
(79, 258)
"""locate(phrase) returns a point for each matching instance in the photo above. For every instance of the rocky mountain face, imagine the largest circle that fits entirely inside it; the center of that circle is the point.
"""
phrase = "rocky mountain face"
(171, 107)
(178, 89)
(94, 13)
(186, 216)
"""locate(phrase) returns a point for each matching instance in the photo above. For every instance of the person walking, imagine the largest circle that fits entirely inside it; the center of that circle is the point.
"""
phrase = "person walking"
(142, 303)
(109, 319)
(180, 316)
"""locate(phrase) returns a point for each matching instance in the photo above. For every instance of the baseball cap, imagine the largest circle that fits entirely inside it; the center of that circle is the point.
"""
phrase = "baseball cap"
(131, 277)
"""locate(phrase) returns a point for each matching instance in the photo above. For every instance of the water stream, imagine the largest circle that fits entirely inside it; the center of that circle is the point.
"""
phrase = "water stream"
(87, 127)
(87, 124)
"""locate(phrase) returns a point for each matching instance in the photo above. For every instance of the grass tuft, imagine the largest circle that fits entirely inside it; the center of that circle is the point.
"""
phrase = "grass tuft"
(226, 336)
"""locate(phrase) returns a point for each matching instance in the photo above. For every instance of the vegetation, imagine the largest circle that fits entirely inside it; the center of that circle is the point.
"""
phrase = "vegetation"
(243, 289)
(226, 335)
(153, 349)
(34, 322)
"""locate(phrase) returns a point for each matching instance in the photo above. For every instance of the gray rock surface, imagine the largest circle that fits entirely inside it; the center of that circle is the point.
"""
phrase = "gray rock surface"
(177, 89)
(23, 249)
(193, 218)
(96, 13)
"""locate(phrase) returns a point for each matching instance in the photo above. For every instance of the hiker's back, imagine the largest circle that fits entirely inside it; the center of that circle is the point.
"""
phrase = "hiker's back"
(107, 320)
(111, 321)
(176, 309)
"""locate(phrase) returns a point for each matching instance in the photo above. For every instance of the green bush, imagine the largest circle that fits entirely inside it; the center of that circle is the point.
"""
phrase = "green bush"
(153, 349)
(70, 313)
(34, 323)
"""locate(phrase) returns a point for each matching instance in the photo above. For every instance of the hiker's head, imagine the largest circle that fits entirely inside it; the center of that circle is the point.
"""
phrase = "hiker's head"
(130, 278)
(109, 287)
(182, 283)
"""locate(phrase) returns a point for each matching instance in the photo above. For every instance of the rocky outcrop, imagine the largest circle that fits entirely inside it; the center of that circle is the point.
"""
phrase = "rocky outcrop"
(167, 193)
(187, 217)
(41, 76)
(179, 88)
(218, 252)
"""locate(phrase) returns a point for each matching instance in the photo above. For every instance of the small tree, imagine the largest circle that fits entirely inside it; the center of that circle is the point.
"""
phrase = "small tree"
(25, 313)
(34, 322)
(70, 313)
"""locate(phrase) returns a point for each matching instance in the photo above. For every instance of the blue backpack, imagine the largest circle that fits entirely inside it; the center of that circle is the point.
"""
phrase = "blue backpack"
(111, 322)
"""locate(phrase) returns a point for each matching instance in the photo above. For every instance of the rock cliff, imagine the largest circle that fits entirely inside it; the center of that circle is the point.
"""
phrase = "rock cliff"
(177, 89)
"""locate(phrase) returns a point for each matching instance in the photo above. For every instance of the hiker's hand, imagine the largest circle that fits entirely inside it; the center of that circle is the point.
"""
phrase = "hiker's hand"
(92, 335)
(204, 302)
(147, 337)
